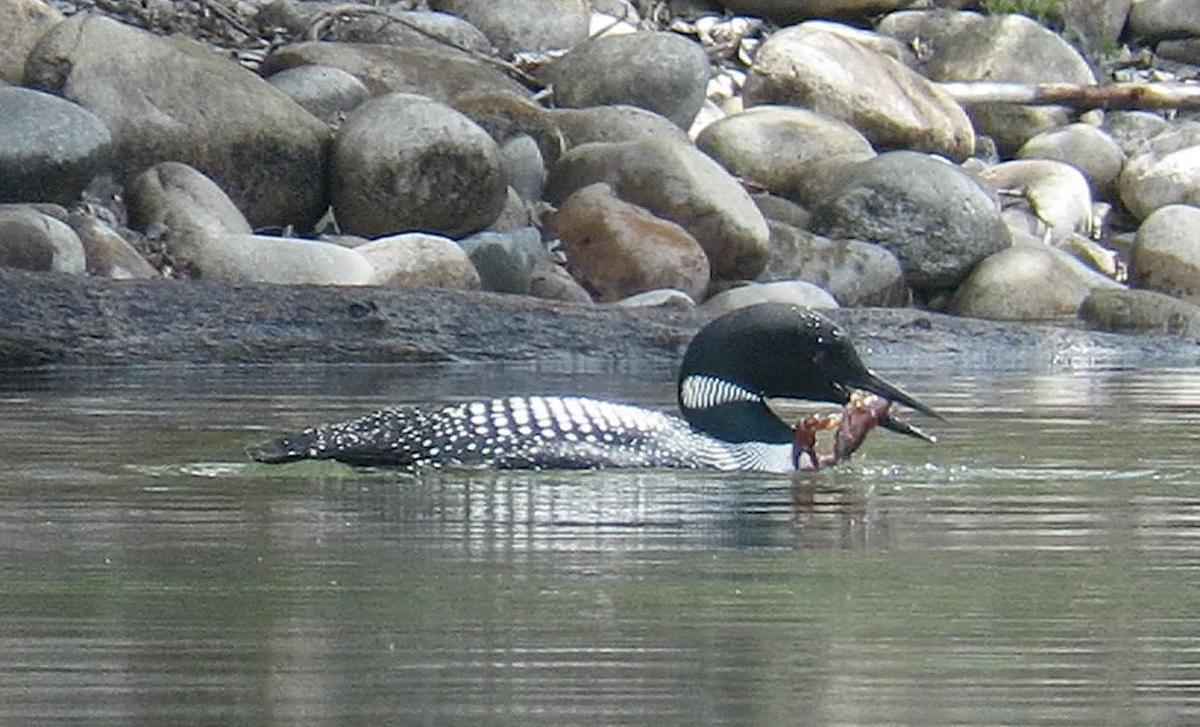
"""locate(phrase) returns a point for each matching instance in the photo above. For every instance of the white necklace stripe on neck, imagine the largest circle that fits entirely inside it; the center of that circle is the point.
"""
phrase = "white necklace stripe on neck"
(702, 392)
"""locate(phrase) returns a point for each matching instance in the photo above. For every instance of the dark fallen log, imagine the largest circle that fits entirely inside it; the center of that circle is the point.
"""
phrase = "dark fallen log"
(54, 319)
(1081, 97)
(59, 319)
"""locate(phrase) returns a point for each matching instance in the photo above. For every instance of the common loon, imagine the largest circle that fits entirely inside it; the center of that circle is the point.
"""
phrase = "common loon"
(730, 369)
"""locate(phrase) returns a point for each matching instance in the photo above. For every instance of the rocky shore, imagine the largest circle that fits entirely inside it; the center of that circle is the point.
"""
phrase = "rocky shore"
(293, 180)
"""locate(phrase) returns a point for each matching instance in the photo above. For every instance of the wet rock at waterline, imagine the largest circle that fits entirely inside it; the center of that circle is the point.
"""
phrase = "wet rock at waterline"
(1141, 311)
(1166, 255)
(1029, 281)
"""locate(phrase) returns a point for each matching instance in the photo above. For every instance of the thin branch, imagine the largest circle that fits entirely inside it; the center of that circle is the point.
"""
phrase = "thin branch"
(1110, 96)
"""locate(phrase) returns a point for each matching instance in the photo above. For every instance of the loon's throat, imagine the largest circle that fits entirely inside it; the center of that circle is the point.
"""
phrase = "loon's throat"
(729, 411)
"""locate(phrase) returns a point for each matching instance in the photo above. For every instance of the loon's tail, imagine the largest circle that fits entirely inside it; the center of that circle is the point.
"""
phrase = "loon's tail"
(287, 448)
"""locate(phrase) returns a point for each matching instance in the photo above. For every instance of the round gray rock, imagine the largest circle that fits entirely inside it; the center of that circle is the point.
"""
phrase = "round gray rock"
(1166, 254)
(1026, 282)
(181, 200)
(1151, 181)
(937, 220)
(856, 273)
(790, 11)
(22, 22)
(324, 91)
(392, 25)
(524, 25)
(109, 255)
(507, 262)
(439, 73)
(1152, 20)
(663, 72)
(403, 162)
(784, 150)
(1085, 147)
(215, 255)
(52, 148)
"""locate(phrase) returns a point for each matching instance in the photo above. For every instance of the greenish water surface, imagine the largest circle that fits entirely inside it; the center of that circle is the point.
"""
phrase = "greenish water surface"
(1040, 565)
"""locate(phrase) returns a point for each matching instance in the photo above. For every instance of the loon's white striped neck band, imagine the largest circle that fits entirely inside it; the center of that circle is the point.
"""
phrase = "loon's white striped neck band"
(702, 391)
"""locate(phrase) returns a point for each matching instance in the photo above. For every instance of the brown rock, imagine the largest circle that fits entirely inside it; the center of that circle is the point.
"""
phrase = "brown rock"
(616, 249)
(108, 254)
(22, 23)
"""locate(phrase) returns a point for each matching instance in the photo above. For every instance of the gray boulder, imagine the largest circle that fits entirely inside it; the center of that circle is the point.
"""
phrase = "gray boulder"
(52, 148)
(808, 65)
(968, 46)
(659, 71)
(22, 23)
(795, 292)
(439, 73)
(403, 162)
(787, 151)
(514, 26)
(937, 220)
(174, 99)
(324, 91)
(1166, 254)
(417, 258)
(856, 273)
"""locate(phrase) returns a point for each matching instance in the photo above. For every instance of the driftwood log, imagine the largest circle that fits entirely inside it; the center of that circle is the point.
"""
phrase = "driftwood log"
(54, 319)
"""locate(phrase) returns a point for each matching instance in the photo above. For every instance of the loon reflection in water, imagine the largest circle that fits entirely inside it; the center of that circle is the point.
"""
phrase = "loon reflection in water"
(731, 367)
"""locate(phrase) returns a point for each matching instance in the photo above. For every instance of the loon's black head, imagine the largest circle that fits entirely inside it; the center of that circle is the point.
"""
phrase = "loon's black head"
(771, 350)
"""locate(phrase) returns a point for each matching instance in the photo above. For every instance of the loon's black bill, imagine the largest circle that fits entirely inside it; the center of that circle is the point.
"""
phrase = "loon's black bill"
(902, 427)
(878, 386)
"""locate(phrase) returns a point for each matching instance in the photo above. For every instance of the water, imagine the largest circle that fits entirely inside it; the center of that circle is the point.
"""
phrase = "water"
(1040, 565)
